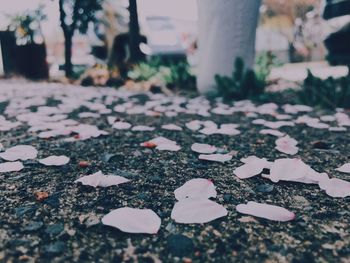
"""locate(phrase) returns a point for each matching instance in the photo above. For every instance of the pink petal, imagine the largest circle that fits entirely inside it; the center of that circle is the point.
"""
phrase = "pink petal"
(171, 127)
(287, 149)
(133, 220)
(287, 145)
(19, 152)
(203, 148)
(216, 157)
(345, 168)
(194, 125)
(335, 187)
(11, 167)
(286, 140)
(168, 147)
(337, 129)
(120, 125)
(55, 160)
(272, 132)
(99, 179)
(318, 125)
(142, 128)
(196, 188)
(288, 170)
(197, 211)
(252, 168)
(270, 212)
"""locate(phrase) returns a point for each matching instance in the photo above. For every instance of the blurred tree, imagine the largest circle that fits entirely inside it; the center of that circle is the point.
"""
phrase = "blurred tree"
(75, 15)
(288, 9)
(134, 33)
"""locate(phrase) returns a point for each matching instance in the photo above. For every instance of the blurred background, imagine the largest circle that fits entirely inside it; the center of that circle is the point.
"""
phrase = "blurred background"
(290, 31)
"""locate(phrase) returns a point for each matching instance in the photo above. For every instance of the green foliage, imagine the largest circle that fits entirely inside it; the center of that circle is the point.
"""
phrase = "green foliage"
(174, 74)
(27, 26)
(144, 70)
(178, 74)
(264, 63)
(243, 84)
(330, 93)
(77, 14)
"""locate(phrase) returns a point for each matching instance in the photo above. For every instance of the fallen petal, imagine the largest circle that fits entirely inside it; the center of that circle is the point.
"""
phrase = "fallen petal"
(55, 160)
(345, 168)
(133, 220)
(197, 211)
(251, 168)
(99, 179)
(216, 157)
(11, 167)
(120, 125)
(196, 188)
(203, 148)
(270, 212)
(19, 152)
(335, 187)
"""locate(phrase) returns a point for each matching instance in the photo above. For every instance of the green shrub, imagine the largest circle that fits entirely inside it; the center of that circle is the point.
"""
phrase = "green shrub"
(168, 73)
(243, 84)
(330, 93)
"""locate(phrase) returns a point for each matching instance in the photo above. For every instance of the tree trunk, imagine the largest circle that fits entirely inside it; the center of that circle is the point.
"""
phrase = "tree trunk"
(68, 66)
(227, 30)
(134, 33)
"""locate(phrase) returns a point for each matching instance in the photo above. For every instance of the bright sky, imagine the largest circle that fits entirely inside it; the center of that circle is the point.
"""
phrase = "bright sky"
(180, 9)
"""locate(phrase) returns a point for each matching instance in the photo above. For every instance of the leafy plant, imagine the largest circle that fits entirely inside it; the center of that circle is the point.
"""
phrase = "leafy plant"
(329, 93)
(179, 75)
(144, 70)
(264, 63)
(243, 84)
(170, 74)
(27, 26)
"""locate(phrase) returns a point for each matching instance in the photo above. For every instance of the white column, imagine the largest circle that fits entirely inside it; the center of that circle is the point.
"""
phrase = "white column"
(227, 30)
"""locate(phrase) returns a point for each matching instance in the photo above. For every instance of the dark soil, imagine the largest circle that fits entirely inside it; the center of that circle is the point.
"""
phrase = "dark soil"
(66, 226)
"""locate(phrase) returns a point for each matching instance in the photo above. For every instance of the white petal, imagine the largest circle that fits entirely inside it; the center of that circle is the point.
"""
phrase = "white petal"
(345, 168)
(194, 188)
(197, 211)
(55, 160)
(19, 152)
(203, 148)
(11, 167)
(216, 157)
(99, 179)
(133, 220)
(270, 212)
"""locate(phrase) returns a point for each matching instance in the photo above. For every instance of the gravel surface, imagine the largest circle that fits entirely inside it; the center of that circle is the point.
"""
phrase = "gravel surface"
(65, 227)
